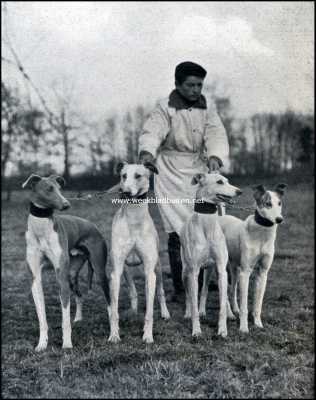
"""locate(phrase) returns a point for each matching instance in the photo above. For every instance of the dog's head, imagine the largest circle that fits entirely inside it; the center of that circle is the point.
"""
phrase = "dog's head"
(214, 188)
(45, 192)
(134, 178)
(269, 202)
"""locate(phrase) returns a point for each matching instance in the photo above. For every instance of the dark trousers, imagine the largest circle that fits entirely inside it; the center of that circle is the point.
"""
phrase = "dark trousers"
(176, 263)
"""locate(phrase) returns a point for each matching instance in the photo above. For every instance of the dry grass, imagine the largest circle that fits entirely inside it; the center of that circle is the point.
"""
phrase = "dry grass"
(276, 362)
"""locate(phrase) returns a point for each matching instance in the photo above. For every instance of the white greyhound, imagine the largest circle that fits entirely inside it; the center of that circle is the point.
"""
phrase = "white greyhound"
(249, 243)
(203, 243)
(133, 231)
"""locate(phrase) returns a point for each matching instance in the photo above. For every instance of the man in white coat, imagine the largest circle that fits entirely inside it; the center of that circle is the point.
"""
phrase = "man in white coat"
(186, 136)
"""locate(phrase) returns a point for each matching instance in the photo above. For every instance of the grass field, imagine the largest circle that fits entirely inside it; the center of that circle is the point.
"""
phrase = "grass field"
(276, 362)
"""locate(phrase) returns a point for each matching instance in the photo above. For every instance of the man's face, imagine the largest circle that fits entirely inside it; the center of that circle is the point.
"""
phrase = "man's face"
(191, 88)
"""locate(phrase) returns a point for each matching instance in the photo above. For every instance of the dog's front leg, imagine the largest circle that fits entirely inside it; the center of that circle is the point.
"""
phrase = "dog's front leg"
(222, 287)
(244, 276)
(260, 286)
(161, 293)
(118, 265)
(150, 284)
(33, 258)
(64, 285)
(193, 293)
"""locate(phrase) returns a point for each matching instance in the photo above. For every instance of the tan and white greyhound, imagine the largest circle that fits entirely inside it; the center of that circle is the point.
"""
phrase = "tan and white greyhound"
(133, 231)
(203, 244)
(251, 242)
(55, 237)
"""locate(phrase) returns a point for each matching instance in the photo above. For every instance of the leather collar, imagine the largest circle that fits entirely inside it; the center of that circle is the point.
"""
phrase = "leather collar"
(262, 221)
(205, 208)
(40, 212)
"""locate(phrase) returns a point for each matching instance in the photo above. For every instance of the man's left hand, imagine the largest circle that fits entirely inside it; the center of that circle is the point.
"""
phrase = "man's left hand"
(214, 163)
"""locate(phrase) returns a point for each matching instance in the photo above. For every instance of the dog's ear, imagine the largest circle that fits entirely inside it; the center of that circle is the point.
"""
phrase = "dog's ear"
(32, 180)
(198, 178)
(152, 167)
(119, 167)
(59, 179)
(258, 192)
(279, 188)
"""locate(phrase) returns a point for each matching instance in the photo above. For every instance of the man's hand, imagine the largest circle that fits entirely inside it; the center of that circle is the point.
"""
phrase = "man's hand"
(145, 156)
(214, 163)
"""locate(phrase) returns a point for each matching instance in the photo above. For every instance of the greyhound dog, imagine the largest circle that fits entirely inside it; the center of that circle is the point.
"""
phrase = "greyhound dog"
(133, 231)
(249, 243)
(56, 238)
(203, 243)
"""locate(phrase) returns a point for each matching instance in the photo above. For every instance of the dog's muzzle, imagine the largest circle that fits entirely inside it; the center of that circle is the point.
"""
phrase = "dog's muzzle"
(224, 198)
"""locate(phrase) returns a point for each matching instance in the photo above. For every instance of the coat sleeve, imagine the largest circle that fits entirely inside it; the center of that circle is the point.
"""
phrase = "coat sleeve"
(154, 131)
(215, 137)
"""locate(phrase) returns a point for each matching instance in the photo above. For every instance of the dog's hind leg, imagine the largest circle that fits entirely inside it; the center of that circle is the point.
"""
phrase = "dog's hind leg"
(76, 264)
(207, 273)
(161, 293)
(131, 289)
(185, 280)
(98, 259)
(234, 273)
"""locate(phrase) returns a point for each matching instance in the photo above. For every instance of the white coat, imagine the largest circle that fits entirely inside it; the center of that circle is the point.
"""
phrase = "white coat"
(181, 140)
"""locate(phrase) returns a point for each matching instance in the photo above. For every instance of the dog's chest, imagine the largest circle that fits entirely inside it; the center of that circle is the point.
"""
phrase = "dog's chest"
(41, 234)
(259, 242)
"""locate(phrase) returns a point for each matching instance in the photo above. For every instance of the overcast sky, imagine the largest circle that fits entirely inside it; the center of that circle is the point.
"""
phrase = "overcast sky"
(121, 54)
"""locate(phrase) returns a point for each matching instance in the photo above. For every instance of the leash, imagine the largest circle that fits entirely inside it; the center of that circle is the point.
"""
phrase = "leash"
(97, 195)
(240, 207)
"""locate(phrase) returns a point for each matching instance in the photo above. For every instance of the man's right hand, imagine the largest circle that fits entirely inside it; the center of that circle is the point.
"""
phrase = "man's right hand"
(145, 156)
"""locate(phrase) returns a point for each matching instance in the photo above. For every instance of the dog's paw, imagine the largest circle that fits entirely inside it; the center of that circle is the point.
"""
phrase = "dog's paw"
(67, 346)
(258, 323)
(196, 333)
(42, 344)
(244, 329)
(41, 347)
(222, 331)
(231, 316)
(114, 338)
(165, 315)
(148, 338)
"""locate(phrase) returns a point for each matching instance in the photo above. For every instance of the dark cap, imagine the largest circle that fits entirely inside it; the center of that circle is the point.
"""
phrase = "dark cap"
(189, 68)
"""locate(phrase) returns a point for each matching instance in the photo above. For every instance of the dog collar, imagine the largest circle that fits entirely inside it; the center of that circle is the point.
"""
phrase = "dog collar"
(262, 221)
(40, 212)
(205, 208)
